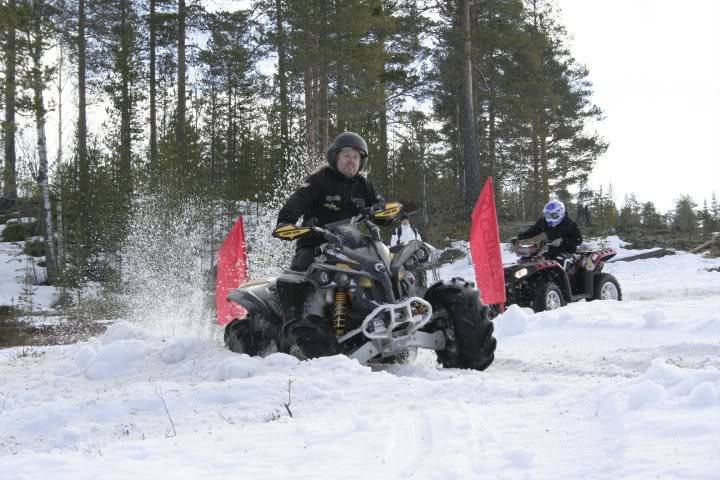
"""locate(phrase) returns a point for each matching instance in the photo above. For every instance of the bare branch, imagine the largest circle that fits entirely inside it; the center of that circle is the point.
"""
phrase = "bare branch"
(230, 421)
(287, 405)
(158, 392)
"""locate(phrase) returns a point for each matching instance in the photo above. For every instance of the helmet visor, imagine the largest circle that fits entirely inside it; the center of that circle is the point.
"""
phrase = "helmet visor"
(554, 215)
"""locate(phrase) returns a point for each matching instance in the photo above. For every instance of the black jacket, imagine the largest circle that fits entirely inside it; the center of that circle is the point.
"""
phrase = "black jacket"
(328, 196)
(567, 229)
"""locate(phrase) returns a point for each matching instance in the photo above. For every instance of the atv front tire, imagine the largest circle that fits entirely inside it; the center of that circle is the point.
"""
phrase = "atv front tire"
(548, 297)
(606, 287)
(468, 331)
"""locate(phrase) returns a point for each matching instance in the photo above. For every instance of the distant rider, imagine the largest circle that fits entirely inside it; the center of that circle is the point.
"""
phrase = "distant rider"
(563, 236)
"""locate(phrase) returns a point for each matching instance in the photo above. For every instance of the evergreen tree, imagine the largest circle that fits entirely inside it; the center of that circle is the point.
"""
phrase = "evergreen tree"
(650, 218)
(630, 213)
(685, 219)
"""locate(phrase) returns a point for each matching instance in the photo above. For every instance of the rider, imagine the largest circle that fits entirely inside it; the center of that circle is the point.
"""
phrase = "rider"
(563, 236)
(339, 190)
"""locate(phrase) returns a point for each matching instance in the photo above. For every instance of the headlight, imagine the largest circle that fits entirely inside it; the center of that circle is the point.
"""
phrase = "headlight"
(521, 273)
(323, 278)
(422, 254)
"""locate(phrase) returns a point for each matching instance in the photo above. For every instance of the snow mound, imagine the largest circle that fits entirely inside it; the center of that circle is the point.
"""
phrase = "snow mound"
(654, 318)
(110, 360)
(123, 331)
(178, 350)
(514, 321)
(645, 393)
(241, 366)
(705, 394)
(667, 383)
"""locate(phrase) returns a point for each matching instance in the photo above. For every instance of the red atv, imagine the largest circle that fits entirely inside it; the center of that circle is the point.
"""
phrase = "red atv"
(546, 284)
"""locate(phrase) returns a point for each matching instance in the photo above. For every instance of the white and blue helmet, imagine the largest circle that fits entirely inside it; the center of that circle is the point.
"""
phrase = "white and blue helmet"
(554, 212)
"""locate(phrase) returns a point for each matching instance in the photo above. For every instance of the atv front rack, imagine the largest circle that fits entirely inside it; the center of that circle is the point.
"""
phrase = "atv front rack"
(392, 328)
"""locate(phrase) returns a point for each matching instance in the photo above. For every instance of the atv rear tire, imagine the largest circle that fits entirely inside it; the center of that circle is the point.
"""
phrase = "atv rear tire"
(468, 335)
(248, 335)
(548, 297)
(606, 287)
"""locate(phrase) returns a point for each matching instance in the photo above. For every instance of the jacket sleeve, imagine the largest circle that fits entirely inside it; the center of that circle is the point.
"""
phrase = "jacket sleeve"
(572, 241)
(536, 229)
(300, 201)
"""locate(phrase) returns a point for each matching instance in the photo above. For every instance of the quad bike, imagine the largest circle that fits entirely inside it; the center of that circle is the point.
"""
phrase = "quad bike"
(545, 284)
(375, 303)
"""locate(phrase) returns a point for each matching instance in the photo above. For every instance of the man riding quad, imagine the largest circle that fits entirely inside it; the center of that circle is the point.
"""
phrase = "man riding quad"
(563, 237)
(338, 191)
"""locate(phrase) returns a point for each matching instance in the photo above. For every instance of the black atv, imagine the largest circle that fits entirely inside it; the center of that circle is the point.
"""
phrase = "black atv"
(374, 302)
(544, 284)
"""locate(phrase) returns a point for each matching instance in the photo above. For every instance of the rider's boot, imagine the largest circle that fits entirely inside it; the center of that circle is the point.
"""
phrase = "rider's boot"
(305, 333)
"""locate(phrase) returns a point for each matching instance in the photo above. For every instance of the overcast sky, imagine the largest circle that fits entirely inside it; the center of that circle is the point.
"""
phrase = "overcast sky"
(656, 74)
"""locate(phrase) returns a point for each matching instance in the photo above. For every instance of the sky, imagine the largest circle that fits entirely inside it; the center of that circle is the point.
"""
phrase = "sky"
(655, 69)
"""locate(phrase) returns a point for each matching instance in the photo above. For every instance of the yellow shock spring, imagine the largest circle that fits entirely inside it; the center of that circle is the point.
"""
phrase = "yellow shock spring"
(341, 298)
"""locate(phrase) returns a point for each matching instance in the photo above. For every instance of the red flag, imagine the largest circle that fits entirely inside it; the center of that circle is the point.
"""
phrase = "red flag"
(231, 272)
(485, 248)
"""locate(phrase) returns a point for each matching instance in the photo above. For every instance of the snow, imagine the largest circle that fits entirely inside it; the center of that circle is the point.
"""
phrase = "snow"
(597, 390)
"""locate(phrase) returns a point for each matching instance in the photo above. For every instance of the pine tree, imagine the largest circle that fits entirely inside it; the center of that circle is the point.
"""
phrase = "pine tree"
(685, 219)
(650, 218)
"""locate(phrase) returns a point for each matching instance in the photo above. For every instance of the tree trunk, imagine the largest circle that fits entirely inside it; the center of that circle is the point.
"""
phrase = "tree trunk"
(83, 165)
(323, 83)
(283, 87)
(153, 86)
(310, 118)
(59, 233)
(38, 85)
(544, 174)
(9, 125)
(472, 182)
(491, 139)
(125, 104)
(423, 184)
(535, 188)
(182, 73)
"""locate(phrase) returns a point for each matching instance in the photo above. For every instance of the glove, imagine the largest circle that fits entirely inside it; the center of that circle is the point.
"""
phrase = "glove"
(556, 243)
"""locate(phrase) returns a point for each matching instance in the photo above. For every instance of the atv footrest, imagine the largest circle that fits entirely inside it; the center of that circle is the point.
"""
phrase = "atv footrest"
(433, 341)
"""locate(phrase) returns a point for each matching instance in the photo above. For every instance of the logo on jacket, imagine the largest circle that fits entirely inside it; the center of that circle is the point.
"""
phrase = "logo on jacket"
(358, 202)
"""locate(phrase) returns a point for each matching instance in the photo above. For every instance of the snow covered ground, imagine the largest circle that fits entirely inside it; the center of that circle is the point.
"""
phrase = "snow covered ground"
(600, 390)
(14, 268)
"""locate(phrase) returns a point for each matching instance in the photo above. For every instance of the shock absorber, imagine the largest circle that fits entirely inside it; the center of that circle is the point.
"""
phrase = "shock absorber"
(341, 299)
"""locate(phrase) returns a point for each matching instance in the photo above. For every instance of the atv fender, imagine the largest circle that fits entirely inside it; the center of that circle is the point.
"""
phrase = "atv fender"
(259, 299)
(442, 290)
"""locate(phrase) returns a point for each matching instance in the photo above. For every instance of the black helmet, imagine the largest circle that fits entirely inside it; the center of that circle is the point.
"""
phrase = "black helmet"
(347, 139)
